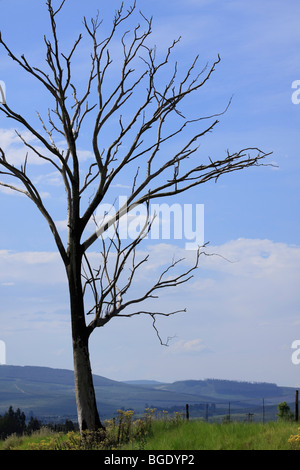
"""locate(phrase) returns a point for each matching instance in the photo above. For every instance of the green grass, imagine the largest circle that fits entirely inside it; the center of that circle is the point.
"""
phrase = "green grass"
(14, 442)
(197, 435)
(178, 435)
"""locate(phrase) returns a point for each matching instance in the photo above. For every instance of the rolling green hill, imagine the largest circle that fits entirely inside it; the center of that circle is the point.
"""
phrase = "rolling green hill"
(215, 389)
(49, 393)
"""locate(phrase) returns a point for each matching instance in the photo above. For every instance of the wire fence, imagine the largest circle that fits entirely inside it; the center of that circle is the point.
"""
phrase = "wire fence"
(247, 410)
(250, 410)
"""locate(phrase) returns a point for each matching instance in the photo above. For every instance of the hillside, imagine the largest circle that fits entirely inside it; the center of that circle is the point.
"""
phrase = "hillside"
(217, 390)
(49, 393)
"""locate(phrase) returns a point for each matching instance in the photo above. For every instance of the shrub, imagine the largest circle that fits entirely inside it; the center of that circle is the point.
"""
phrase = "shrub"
(12, 442)
(284, 412)
(294, 441)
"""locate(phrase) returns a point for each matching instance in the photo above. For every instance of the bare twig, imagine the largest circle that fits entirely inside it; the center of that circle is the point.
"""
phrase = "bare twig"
(149, 114)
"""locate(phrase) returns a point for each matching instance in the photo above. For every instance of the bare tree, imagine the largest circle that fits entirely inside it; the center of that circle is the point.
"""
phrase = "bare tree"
(151, 103)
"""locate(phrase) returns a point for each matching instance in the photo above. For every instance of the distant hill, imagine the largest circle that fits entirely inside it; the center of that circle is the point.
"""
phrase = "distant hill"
(226, 389)
(48, 393)
(145, 383)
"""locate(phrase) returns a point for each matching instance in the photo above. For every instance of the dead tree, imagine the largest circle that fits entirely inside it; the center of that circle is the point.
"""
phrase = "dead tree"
(145, 110)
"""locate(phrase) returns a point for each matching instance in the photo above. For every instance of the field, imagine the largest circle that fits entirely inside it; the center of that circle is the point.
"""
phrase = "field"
(174, 435)
(230, 436)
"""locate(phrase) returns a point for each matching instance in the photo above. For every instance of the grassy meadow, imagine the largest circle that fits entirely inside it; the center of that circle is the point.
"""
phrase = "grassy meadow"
(173, 434)
(196, 435)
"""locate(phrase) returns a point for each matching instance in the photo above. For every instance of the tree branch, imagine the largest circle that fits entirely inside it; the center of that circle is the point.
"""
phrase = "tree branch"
(145, 102)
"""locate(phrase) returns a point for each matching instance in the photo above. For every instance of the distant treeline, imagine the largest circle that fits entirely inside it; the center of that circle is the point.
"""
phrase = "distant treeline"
(196, 410)
(14, 422)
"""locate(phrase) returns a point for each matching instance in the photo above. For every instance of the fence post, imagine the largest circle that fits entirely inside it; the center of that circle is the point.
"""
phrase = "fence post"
(297, 406)
(263, 411)
(187, 414)
(206, 412)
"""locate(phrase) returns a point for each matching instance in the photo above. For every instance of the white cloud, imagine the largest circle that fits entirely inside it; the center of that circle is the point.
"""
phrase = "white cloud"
(260, 279)
(11, 192)
(61, 224)
(188, 346)
(50, 179)
(122, 186)
(15, 150)
(237, 266)
(31, 267)
(242, 316)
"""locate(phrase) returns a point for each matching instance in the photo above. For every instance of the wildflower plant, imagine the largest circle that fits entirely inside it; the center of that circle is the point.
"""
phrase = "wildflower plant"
(294, 441)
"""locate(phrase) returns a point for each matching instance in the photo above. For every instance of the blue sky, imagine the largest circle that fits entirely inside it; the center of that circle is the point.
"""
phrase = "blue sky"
(242, 316)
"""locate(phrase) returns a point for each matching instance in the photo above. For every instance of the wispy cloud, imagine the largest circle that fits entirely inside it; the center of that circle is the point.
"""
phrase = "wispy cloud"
(251, 289)
(15, 150)
(30, 268)
(192, 346)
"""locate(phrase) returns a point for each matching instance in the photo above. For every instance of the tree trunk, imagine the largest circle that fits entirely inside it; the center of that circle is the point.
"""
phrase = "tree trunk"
(88, 416)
